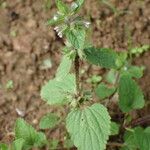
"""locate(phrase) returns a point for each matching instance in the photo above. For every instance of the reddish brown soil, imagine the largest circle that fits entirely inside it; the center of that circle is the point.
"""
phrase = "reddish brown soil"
(21, 55)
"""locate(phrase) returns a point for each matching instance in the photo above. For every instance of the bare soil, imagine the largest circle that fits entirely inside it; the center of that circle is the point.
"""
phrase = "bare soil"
(25, 42)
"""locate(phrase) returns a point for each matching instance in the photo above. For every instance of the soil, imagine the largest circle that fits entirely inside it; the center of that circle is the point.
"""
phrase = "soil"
(26, 42)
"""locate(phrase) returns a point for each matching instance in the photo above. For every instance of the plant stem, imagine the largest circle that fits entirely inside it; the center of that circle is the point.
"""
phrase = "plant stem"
(76, 69)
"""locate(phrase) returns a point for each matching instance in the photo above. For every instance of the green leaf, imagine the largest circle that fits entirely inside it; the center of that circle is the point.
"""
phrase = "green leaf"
(53, 144)
(136, 72)
(142, 138)
(57, 19)
(3, 146)
(121, 59)
(80, 2)
(139, 138)
(57, 91)
(76, 37)
(64, 68)
(89, 128)
(94, 79)
(75, 7)
(31, 137)
(114, 128)
(104, 91)
(101, 56)
(139, 50)
(130, 95)
(129, 141)
(68, 144)
(18, 144)
(111, 76)
(49, 121)
(61, 7)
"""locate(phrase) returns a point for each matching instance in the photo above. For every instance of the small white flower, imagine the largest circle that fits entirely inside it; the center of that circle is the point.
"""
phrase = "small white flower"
(55, 17)
(60, 34)
(87, 24)
(56, 29)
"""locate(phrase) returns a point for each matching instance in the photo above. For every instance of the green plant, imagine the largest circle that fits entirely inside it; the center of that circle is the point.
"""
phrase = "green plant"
(88, 123)
(26, 137)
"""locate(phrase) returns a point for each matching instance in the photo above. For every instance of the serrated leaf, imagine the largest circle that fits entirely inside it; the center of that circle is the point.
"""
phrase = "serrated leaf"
(57, 90)
(64, 68)
(48, 121)
(76, 37)
(61, 7)
(31, 137)
(114, 128)
(104, 91)
(3, 146)
(18, 144)
(130, 95)
(89, 128)
(103, 57)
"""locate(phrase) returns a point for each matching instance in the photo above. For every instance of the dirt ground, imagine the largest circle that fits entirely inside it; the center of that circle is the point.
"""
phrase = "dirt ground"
(26, 42)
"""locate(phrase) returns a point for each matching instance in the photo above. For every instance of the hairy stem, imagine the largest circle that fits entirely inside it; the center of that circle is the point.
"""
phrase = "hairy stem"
(76, 69)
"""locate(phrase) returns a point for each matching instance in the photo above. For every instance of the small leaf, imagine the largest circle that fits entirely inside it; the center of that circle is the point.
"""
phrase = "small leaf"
(121, 59)
(3, 146)
(80, 2)
(48, 121)
(94, 79)
(89, 128)
(55, 92)
(139, 138)
(75, 7)
(68, 144)
(64, 68)
(101, 56)
(130, 95)
(114, 128)
(104, 91)
(136, 72)
(111, 76)
(142, 138)
(31, 137)
(139, 50)
(61, 7)
(53, 144)
(10, 84)
(18, 144)
(129, 141)
(57, 19)
(76, 37)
